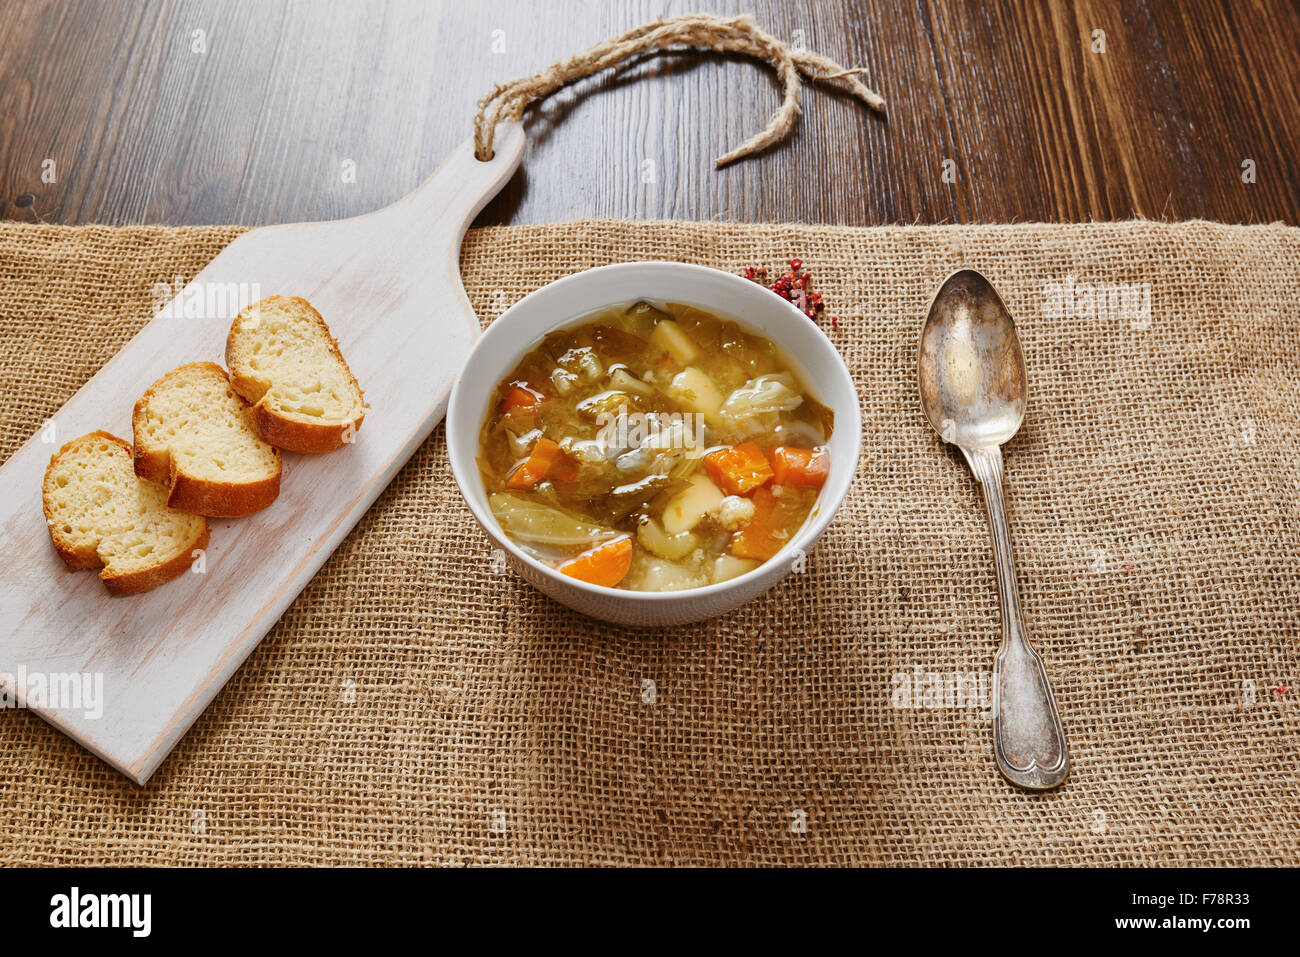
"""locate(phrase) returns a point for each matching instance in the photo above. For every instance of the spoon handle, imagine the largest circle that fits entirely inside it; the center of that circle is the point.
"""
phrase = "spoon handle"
(1027, 737)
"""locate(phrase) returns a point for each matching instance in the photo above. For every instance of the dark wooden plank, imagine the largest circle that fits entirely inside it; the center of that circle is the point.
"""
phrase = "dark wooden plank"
(1039, 127)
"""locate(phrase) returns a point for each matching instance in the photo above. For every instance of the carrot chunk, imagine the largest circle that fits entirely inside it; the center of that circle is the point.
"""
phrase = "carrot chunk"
(544, 455)
(791, 466)
(740, 469)
(763, 535)
(520, 396)
(606, 564)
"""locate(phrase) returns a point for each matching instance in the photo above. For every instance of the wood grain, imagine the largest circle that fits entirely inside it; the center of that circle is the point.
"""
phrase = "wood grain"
(1038, 126)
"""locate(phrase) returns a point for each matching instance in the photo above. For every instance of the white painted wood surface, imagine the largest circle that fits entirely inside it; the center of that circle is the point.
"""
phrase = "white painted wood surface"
(389, 286)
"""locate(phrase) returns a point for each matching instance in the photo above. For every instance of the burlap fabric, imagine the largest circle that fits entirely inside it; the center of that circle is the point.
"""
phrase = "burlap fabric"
(416, 706)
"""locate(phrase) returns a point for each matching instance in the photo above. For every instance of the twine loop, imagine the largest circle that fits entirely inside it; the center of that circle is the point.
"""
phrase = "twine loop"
(508, 101)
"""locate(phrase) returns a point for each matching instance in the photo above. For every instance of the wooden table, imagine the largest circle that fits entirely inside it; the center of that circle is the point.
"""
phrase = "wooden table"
(255, 111)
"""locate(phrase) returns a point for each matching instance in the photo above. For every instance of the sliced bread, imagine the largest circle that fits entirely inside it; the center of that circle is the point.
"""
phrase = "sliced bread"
(195, 434)
(101, 514)
(285, 362)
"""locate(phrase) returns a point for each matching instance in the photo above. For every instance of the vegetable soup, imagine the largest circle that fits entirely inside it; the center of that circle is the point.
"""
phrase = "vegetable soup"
(653, 448)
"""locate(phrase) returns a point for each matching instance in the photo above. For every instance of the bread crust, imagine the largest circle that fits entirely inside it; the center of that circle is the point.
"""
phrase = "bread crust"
(196, 495)
(302, 436)
(223, 499)
(147, 579)
(79, 559)
(294, 433)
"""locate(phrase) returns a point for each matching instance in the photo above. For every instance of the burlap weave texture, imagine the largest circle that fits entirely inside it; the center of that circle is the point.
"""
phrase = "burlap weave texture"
(415, 706)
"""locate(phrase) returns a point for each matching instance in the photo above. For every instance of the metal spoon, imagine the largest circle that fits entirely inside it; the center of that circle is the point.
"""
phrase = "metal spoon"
(972, 380)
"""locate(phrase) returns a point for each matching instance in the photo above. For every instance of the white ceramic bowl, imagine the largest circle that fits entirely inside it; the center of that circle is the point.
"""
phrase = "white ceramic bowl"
(573, 298)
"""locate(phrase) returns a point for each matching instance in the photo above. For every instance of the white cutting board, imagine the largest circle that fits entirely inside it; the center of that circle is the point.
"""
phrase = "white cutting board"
(388, 284)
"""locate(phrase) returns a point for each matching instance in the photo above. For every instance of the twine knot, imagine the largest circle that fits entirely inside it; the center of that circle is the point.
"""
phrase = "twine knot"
(508, 101)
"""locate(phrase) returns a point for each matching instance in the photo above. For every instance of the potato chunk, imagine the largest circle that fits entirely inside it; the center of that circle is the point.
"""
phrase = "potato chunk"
(685, 510)
(669, 336)
(695, 390)
(729, 566)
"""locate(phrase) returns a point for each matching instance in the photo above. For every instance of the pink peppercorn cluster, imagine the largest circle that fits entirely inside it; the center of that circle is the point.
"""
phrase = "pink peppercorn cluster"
(796, 286)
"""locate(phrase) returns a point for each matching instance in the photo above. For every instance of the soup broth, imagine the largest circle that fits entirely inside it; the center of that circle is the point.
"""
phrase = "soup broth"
(653, 448)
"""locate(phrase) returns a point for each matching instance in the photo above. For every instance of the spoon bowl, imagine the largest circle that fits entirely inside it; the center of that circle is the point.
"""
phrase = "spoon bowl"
(972, 371)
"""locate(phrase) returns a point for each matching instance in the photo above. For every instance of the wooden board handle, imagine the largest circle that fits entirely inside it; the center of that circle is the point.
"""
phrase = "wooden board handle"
(460, 188)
